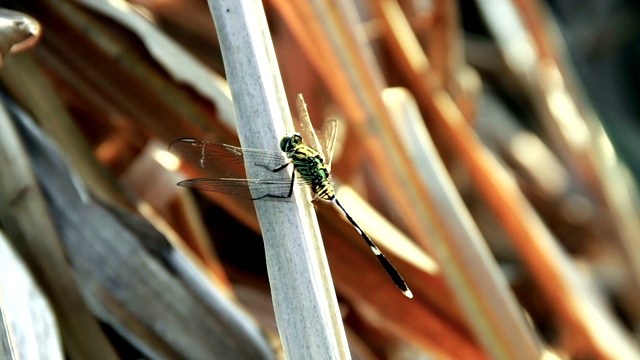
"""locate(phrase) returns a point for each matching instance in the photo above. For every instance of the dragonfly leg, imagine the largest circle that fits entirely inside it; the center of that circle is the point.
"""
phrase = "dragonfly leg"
(277, 169)
(271, 196)
(281, 167)
(293, 177)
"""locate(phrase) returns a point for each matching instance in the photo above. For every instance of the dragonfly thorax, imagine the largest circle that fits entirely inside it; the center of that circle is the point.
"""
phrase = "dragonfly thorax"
(309, 164)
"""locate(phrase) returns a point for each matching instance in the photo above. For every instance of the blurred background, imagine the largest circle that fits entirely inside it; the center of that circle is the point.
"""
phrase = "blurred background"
(490, 148)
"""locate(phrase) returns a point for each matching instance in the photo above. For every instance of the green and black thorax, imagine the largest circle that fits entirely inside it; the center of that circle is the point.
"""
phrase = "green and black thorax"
(309, 164)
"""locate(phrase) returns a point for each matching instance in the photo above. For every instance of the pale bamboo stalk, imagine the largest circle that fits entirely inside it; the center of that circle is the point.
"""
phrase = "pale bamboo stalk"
(7, 344)
(598, 167)
(304, 300)
(533, 50)
(548, 263)
(24, 213)
(491, 308)
(28, 327)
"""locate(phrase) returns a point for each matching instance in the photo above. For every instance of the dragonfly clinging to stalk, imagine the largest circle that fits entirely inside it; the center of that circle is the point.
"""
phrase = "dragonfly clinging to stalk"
(227, 164)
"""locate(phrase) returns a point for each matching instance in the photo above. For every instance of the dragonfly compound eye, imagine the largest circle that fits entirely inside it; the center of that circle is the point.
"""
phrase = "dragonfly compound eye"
(285, 143)
(289, 142)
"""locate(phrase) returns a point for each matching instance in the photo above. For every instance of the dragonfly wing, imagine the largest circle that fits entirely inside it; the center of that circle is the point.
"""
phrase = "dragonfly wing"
(269, 188)
(220, 159)
(226, 161)
(329, 134)
(323, 144)
(234, 187)
(306, 127)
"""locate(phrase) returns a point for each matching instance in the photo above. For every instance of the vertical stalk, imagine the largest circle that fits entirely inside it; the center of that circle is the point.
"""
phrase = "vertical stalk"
(304, 300)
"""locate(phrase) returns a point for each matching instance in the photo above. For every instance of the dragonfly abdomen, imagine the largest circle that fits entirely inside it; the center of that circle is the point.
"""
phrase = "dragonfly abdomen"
(325, 191)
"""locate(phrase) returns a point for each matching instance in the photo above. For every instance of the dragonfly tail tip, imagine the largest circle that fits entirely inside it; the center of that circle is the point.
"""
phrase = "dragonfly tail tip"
(408, 293)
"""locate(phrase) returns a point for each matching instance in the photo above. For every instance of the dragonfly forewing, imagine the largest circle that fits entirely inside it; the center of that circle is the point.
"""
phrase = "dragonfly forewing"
(306, 127)
(226, 161)
(329, 135)
(227, 164)
(327, 139)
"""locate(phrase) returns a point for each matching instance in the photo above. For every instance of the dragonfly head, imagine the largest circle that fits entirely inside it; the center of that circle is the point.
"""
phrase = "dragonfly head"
(289, 142)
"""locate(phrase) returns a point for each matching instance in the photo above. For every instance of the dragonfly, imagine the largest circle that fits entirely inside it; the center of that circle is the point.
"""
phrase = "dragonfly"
(311, 165)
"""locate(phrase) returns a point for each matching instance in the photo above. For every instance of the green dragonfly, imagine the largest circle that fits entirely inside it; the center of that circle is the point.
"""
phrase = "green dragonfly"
(227, 164)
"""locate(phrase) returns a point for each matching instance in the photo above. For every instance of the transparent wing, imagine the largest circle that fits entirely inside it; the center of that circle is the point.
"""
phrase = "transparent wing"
(328, 134)
(306, 127)
(325, 142)
(227, 164)
(268, 189)
(226, 161)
